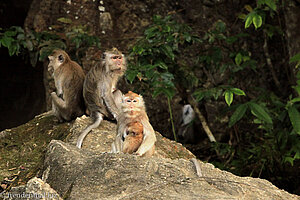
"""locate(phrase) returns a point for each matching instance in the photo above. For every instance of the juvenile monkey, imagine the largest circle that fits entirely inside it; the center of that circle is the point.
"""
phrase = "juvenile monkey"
(67, 102)
(134, 115)
(133, 137)
(100, 94)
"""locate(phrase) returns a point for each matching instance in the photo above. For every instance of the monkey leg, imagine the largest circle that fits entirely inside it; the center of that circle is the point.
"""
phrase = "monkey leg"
(97, 117)
(117, 94)
(56, 112)
(60, 107)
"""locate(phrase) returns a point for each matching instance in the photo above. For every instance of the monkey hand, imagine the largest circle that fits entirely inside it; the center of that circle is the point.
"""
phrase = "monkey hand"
(116, 116)
(53, 94)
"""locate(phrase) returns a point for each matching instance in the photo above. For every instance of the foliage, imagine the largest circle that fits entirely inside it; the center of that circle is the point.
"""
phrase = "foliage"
(169, 58)
(155, 55)
(41, 44)
(258, 15)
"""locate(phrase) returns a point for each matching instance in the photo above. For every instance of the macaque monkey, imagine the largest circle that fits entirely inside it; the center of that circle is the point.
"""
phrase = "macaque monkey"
(67, 102)
(131, 118)
(187, 126)
(100, 94)
(133, 137)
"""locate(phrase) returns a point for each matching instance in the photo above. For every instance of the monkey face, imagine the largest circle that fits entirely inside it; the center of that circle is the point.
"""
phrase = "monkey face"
(132, 103)
(56, 59)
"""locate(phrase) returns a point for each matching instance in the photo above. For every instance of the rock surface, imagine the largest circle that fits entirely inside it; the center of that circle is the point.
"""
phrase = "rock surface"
(94, 173)
(82, 174)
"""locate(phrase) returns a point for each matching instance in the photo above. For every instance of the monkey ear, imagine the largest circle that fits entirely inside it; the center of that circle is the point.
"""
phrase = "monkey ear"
(61, 58)
(104, 56)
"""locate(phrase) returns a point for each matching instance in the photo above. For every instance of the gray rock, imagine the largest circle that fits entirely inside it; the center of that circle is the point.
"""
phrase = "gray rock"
(81, 174)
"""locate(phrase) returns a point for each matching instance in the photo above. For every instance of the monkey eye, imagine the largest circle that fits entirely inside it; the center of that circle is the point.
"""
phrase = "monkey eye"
(128, 100)
(116, 57)
(134, 101)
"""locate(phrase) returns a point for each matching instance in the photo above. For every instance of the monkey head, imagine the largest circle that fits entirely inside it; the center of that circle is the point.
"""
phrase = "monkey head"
(135, 129)
(133, 137)
(114, 61)
(132, 102)
(56, 59)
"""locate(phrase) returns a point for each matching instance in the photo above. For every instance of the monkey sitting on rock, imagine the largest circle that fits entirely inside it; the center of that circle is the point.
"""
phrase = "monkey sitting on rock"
(133, 118)
(67, 101)
(101, 96)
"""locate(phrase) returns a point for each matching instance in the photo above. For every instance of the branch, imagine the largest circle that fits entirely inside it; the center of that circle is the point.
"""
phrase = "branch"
(269, 62)
(202, 119)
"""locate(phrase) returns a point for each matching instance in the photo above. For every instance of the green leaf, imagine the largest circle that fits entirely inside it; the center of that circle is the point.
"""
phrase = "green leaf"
(238, 59)
(64, 20)
(10, 33)
(294, 118)
(271, 4)
(168, 51)
(238, 91)
(294, 100)
(238, 114)
(249, 20)
(162, 65)
(248, 8)
(228, 97)
(130, 75)
(295, 58)
(290, 160)
(260, 112)
(6, 41)
(257, 21)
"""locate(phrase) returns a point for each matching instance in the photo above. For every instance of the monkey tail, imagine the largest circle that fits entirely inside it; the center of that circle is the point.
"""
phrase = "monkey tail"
(197, 165)
(97, 120)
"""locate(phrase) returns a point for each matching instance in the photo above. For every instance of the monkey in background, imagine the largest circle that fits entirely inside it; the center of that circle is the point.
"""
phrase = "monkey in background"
(67, 101)
(187, 126)
(133, 115)
(100, 94)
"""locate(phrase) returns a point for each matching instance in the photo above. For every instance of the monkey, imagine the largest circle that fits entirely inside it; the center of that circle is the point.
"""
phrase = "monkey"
(133, 137)
(100, 94)
(132, 113)
(67, 101)
(187, 126)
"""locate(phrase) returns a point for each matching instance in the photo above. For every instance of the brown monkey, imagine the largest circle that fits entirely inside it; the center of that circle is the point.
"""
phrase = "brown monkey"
(99, 90)
(133, 138)
(133, 111)
(67, 102)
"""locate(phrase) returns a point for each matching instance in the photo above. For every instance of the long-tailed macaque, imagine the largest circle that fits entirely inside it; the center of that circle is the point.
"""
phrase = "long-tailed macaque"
(101, 96)
(67, 102)
(133, 137)
(132, 116)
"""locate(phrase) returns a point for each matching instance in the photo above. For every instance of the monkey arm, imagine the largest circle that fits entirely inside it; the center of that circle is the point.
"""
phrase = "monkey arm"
(110, 102)
(117, 145)
(59, 89)
(59, 102)
(148, 140)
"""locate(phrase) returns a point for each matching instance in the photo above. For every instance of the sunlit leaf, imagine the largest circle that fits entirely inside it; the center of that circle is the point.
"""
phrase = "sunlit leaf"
(238, 91)
(257, 21)
(249, 20)
(228, 97)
